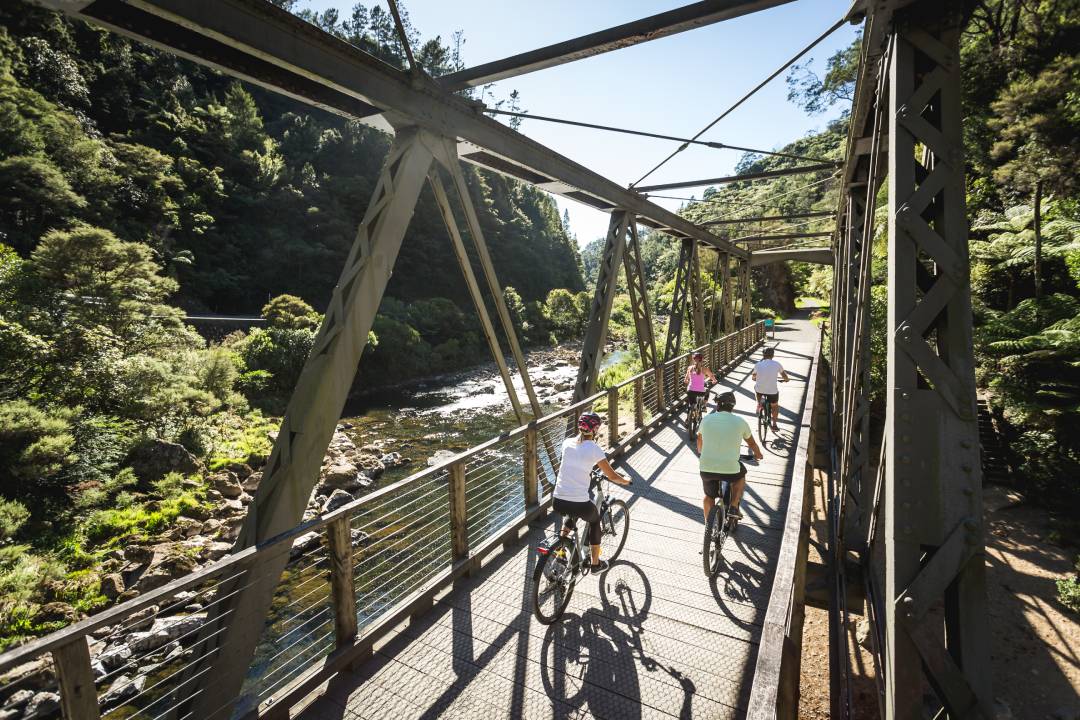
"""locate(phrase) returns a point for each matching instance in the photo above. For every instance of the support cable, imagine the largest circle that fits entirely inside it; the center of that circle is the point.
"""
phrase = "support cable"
(749, 203)
(401, 34)
(744, 98)
(642, 133)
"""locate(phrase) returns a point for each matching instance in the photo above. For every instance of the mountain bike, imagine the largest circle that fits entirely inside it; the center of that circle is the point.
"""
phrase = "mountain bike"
(562, 559)
(696, 411)
(764, 417)
(718, 527)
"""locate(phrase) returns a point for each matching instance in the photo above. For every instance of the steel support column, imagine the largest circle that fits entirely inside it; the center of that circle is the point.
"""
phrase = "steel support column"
(639, 299)
(606, 281)
(727, 295)
(697, 307)
(313, 412)
(678, 300)
(933, 491)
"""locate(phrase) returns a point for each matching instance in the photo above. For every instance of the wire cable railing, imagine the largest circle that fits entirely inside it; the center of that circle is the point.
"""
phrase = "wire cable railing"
(351, 574)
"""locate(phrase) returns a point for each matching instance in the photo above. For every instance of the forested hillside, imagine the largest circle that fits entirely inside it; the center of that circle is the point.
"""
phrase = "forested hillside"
(136, 187)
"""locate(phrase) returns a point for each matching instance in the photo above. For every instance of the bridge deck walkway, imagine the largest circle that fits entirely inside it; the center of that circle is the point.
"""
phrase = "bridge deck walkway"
(651, 638)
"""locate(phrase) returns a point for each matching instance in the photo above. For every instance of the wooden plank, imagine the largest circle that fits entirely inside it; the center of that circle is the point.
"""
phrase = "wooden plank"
(78, 696)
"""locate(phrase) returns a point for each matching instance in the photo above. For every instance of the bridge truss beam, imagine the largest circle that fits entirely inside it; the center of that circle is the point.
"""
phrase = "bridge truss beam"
(689, 17)
(310, 419)
(679, 298)
(603, 297)
(634, 270)
(934, 555)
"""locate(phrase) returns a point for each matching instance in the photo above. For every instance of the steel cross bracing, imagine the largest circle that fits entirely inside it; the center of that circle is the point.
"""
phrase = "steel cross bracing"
(258, 42)
(634, 270)
(679, 298)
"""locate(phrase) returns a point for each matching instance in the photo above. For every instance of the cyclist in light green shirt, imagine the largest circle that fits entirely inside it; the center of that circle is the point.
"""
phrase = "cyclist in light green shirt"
(719, 442)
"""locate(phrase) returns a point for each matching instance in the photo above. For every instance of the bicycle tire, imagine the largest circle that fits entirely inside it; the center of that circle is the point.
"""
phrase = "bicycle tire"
(617, 518)
(565, 582)
(692, 422)
(763, 421)
(711, 556)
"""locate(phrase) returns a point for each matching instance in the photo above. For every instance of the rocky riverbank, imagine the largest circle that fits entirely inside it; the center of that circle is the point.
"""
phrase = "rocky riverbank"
(127, 657)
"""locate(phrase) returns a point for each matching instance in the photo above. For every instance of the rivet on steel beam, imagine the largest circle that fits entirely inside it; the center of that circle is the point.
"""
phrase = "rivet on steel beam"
(965, 444)
(905, 459)
(966, 467)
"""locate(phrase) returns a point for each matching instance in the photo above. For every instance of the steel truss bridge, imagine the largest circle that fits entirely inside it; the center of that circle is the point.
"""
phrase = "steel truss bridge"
(285, 626)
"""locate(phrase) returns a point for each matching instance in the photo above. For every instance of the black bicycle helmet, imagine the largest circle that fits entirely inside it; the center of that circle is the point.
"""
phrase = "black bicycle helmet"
(725, 401)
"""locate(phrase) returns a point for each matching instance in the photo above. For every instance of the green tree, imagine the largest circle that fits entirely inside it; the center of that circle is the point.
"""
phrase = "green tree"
(289, 311)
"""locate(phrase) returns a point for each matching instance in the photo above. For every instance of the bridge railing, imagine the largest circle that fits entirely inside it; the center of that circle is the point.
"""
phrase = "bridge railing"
(353, 574)
(775, 691)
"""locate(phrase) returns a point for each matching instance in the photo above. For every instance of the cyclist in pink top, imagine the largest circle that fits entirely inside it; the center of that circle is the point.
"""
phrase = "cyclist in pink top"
(696, 375)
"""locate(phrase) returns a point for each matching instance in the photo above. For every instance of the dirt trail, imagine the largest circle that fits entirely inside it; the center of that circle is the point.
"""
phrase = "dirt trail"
(1035, 650)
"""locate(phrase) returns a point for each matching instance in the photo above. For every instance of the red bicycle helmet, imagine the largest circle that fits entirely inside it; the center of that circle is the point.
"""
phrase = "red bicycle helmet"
(588, 422)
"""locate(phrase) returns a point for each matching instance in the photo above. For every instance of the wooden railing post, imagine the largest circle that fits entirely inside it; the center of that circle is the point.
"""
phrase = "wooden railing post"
(531, 467)
(613, 415)
(78, 696)
(342, 591)
(659, 380)
(459, 519)
(639, 404)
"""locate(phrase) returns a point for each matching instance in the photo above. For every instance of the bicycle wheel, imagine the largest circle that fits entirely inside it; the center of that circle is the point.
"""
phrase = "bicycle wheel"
(714, 539)
(763, 422)
(693, 419)
(614, 526)
(553, 582)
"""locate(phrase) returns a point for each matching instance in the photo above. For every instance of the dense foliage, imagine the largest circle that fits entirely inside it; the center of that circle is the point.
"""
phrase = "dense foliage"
(1022, 117)
(135, 188)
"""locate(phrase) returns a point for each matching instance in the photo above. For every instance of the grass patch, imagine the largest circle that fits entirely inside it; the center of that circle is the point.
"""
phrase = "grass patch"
(242, 440)
(1069, 590)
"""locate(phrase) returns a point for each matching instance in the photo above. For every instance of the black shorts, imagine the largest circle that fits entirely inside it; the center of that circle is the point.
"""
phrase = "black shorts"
(710, 482)
(582, 511)
(692, 395)
(774, 398)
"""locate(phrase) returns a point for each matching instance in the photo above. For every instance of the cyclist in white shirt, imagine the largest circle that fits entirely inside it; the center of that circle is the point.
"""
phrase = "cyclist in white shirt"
(766, 374)
(580, 454)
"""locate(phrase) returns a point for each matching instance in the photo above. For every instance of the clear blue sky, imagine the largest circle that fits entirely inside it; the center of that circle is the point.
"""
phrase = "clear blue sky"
(675, 85)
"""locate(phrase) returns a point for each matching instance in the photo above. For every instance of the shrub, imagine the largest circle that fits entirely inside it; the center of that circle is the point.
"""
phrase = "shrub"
(281, 352)
(291, 313)
(13, 514)
(35, 444)
(218, 373)
(1069, 590)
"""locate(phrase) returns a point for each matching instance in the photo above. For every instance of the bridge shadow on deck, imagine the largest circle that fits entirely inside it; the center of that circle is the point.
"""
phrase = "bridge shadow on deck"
(652, 637)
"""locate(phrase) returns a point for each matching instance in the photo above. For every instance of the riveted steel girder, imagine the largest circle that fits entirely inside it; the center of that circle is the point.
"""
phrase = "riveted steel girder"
(606, 286)
(639, 300)
(934, 555)
(679, 298)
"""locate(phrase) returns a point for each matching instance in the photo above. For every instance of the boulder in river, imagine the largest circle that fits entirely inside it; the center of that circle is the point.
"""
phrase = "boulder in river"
(440, 457)
(341, 475)
(336, 500)
(42, 705)
(227, 484)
